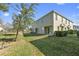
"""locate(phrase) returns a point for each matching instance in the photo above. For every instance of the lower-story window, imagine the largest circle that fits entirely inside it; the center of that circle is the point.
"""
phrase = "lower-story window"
(58, 28)
(36, 30)
(65, 29)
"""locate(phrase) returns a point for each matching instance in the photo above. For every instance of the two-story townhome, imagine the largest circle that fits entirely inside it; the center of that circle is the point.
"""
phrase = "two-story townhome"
(52, 22)
(76, 27)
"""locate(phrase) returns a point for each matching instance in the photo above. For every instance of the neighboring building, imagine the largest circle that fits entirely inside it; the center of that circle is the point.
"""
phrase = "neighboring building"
(1, 28)
(76, 27)
(52, 22)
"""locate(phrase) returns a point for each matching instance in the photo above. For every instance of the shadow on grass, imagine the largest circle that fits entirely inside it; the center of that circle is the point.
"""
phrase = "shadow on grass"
(31, 34)
(7, 39)
(9, 34)
(57, 46)
(4, 47)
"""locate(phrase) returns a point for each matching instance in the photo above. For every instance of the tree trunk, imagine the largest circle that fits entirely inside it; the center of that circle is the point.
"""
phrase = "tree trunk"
(17, 34)
(19, 31)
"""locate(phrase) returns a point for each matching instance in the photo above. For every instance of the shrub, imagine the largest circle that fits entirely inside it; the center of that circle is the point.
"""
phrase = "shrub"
(29, 34)
(71, 31)
(75, 31)
(78, 33)
(9, 34)
(61, 33)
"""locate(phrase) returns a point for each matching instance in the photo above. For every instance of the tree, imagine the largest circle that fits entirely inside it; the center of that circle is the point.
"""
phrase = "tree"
(1, 25)
(1, 21)
(3, 7)
(24, 18)
(8, 27)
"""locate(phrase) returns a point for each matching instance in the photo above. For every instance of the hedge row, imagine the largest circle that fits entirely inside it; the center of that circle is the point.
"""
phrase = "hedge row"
(61, 33)
(78, 33)
(9, 34)
(64, 33)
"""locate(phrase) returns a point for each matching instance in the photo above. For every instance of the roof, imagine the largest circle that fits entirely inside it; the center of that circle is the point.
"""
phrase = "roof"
(56, 13)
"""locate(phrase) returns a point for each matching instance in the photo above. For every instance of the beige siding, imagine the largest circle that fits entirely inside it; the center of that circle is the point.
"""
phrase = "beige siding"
(50, 20)
(43, 22)
(61, 20)
(71, 24)
(57, 21)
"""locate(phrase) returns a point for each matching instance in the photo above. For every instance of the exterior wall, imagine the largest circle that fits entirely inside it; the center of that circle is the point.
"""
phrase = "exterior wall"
(47, 20)
(54, 21)
(61, 21)
(72, 26)
(76, 27)
(1, 29)
(57, 21)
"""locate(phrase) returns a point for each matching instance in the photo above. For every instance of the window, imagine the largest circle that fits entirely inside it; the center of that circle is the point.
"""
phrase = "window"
(36, 30)
(69, 22)
(56, 17)
(58, 28)
(62, 19)
(65, 29)
(66, 21)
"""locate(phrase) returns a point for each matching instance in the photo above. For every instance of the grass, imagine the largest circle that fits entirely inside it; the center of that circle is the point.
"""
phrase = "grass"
(40, 45)
(58, 46)
(6, 36)
(21, 48)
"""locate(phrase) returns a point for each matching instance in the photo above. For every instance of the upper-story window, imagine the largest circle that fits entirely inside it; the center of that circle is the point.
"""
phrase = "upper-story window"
(66, 21)
(62, 19)
(69, 22)
(56, 16)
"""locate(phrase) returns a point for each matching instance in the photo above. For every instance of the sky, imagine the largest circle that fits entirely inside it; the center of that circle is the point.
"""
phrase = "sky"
(69, 10)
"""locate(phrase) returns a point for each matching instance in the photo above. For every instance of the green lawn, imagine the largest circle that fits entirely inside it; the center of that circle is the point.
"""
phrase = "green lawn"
(40, 45)
(7, 36)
